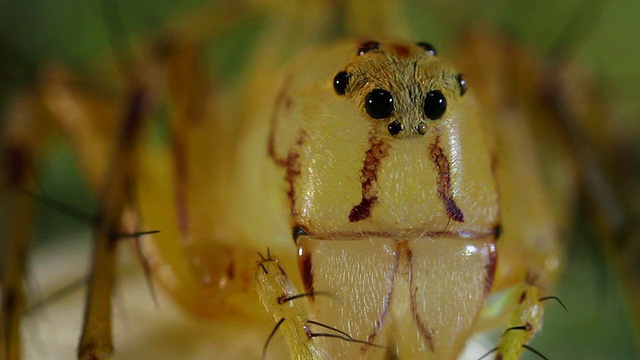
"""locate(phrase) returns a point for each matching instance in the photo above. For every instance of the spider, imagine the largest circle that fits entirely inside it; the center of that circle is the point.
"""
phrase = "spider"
(411, 194)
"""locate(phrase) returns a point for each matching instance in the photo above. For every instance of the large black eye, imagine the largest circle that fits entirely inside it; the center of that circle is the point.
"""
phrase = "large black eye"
(434, 105)
(379, 104)
(340, 82)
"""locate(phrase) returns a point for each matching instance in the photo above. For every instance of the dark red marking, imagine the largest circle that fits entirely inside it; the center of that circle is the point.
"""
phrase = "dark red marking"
(401, 51)
(281, 299)
(363, 210)
(439, 158)
(494, 163)
(378, 149)
(231, 270)
(306, 271)
(288, 104)
(427, 334)
(523, 297)
(490, 269)
(290, 162)
(293, 171)
(387, 303)
(281, 100)
(454, 211)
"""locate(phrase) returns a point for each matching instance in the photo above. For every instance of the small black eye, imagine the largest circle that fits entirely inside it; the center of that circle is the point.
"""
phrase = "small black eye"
(462, 81)
(340, 82)
(379, 104)
(434, 105)
(427, 47)
(365, 47)
(395, 127)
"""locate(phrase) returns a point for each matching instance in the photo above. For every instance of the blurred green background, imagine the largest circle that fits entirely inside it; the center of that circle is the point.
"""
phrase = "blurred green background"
(605, 35)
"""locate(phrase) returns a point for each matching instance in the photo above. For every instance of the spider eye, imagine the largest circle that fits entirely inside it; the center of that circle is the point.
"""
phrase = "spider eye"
(462, 81)
(368, 46)
(434, 105)
(427, 47)
(395, 127)
(340, 82)
(379, 104)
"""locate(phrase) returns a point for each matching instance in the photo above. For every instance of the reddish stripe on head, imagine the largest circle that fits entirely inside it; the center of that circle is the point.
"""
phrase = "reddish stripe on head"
(453, 210)
(363, 209)
(378, 150)
(439, 158)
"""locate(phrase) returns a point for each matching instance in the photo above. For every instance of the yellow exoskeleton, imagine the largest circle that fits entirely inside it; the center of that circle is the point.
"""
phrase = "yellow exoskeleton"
(404, 235)
(401, 199)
